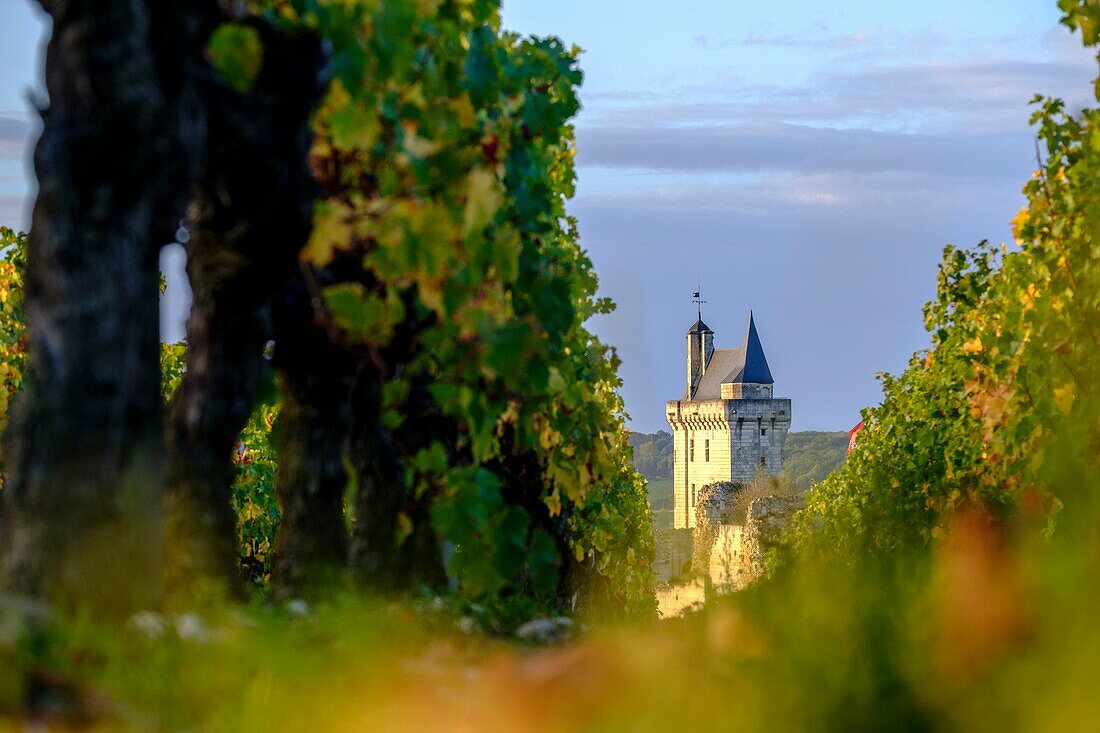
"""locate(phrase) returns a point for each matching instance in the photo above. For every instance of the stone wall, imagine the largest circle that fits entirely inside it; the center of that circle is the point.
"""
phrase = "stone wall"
(729, 551)
(730, 566)
(742, 391)
(715, 502)
(738, 551)
(758, 430)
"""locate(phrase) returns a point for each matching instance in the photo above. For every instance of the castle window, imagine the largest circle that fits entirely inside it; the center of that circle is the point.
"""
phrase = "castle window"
(763, 461)
(763, 431)
(706, 450)
(693, 494)
(692, 451)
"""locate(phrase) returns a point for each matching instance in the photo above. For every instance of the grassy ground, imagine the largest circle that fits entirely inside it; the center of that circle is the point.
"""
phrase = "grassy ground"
(662, 518)
(660, 498)
(660, 493)
(979, 649)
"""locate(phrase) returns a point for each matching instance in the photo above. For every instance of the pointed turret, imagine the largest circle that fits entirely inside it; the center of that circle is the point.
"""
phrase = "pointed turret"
(754, 369)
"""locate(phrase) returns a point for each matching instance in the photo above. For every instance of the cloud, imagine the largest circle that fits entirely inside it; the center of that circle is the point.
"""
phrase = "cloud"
(877, 202)
(974, 95)
(978, 90)
(939, 39)
(961, 119)
(788, 147)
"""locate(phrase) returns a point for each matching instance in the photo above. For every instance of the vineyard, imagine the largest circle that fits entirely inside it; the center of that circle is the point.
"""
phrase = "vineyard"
(386, 482)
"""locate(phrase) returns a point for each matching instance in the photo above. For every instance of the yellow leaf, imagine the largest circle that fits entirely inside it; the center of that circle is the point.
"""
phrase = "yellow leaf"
(1064, 397)
(418, 146)
(553, 502)
(1027, 298)
(1019, 221)
(973, 346)
(483, 198)
(404, 527)
(549, 437)
(331, 232)
(464, 111)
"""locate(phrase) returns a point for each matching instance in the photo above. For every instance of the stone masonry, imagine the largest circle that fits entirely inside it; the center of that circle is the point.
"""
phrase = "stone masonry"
(730, 551)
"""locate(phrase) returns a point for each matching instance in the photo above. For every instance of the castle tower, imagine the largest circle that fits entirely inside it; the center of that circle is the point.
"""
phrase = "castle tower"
(728, 426)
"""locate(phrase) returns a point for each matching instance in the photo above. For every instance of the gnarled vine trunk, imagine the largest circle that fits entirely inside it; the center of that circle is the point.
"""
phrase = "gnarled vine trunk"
(249, 218)
(394, 547)
(315, 378)
(82, 517)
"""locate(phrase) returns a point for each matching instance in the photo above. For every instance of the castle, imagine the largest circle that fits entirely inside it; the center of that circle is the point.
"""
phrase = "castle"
(728, 426)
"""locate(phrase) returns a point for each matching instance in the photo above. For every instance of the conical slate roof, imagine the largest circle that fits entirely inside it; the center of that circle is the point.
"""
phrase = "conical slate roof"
(754, 369)
(744, 364)
(699, 327)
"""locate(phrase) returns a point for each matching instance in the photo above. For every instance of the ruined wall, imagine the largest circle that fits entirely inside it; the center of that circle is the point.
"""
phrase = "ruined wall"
(715, 503)
(730, 567)
(738, 551)
(728, 552)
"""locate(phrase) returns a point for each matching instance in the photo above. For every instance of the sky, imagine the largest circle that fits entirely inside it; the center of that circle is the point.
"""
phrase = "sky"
(807, 160)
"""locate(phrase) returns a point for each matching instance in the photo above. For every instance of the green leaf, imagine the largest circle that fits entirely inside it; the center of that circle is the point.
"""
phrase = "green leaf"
(543, 562)
(353, 128)
(237, 53)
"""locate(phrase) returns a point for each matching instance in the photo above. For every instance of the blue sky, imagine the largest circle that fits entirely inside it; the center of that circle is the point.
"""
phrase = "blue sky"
(808, 160)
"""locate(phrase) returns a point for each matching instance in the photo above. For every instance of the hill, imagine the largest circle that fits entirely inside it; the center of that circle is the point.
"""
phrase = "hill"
(653, 454)
(810, 456)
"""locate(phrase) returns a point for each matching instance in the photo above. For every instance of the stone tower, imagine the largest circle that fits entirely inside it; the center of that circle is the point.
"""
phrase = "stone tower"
(728, 426)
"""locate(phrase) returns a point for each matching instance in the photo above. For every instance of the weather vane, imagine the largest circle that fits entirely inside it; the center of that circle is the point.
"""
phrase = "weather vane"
(697, 299)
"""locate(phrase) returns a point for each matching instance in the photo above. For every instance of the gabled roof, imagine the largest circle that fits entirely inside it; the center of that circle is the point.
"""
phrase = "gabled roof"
(699, 327)
(744, 364)
(723, 362)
